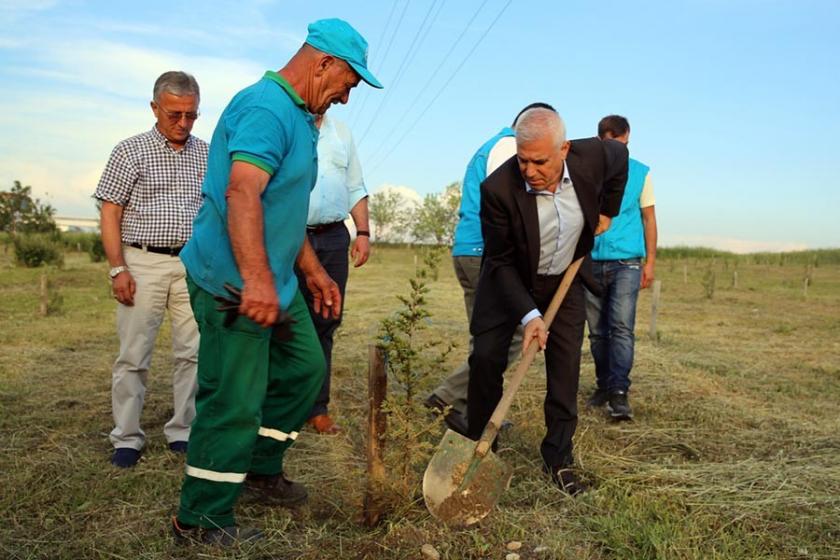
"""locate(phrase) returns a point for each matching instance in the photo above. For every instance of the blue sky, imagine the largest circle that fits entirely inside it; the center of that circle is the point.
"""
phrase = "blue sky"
(733, 103)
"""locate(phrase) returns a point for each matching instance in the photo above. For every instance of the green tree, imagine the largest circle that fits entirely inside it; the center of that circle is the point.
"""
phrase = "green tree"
(20, 213)
(387, 212)
(435, 220)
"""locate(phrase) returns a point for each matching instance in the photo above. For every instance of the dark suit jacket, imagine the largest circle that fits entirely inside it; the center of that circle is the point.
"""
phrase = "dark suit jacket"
(510, 226)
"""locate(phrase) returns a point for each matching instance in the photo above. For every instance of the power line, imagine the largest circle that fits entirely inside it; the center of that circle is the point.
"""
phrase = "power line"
(377, 52)
(443, 88)
(431, 79)
(409, 56)
(387, 51)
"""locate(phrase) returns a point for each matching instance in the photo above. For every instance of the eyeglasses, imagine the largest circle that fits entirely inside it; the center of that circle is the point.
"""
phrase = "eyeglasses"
(176, 116)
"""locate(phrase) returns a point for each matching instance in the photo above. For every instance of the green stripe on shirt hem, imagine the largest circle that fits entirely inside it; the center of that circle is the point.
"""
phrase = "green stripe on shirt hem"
(254, 161)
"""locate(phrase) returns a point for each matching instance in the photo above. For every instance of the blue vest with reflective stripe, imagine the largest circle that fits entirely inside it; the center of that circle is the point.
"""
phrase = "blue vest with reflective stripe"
(626, 237)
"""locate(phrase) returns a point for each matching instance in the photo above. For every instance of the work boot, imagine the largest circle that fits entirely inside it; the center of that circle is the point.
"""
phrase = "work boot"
(618, 406)
(275, 490)
(598, 399)
(217, 536)
(567, 481)
(454, 420)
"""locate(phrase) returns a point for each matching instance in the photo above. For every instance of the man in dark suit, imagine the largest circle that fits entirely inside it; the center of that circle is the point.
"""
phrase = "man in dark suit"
(539, 211)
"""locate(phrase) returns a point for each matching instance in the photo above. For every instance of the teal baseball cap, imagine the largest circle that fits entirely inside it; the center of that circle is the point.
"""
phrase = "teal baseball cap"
(336, 37)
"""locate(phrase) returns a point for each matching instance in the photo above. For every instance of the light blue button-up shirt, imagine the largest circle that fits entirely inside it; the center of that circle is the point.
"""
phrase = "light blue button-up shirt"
(340, 184)
(561, 221)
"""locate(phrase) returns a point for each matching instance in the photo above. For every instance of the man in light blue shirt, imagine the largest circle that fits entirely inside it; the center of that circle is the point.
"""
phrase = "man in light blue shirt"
(339, 189)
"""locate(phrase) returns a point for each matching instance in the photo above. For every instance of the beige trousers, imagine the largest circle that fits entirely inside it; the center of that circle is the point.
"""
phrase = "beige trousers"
(161, 286)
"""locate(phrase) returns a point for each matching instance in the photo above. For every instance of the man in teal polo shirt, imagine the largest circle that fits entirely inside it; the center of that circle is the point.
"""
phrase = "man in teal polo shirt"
(255, 390)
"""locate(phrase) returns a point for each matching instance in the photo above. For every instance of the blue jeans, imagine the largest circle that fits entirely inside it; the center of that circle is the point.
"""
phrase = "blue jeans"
(611, 319)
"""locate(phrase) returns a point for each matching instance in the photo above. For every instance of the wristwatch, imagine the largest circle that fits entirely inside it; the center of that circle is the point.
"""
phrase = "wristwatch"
(114, 272)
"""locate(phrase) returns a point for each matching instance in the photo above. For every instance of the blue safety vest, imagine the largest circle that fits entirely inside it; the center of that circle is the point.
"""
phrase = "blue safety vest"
(626, 237)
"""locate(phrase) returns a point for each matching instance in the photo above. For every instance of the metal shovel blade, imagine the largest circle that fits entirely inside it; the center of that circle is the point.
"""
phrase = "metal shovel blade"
(460, 487)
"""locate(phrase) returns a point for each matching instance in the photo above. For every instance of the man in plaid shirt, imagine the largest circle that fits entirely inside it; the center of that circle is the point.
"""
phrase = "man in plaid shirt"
(150, 193)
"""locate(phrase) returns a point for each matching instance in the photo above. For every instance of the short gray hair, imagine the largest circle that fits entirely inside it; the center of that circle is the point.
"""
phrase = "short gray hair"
(538, 123)
(177, 83)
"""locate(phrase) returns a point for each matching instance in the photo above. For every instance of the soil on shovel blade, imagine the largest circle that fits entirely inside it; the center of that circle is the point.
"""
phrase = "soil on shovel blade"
(471, 503)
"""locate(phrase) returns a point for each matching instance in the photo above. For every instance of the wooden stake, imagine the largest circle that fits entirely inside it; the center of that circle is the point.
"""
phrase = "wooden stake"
(735, 279)
(654, 308)
(377, 390)
(45, 295)
(685, 274)
(805, 286)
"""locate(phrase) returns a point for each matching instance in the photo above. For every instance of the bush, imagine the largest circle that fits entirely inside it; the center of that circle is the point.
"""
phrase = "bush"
(80, 241)
(34, 250)
(96, 250)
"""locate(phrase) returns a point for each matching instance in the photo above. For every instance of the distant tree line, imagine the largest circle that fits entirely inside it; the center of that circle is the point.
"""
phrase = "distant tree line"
(398, 219)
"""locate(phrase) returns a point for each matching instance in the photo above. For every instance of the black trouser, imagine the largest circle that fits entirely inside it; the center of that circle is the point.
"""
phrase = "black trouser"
(331, 246)
(562, 358)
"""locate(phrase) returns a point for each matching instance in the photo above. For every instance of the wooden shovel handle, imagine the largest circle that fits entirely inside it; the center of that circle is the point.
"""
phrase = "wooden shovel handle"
(513, 383)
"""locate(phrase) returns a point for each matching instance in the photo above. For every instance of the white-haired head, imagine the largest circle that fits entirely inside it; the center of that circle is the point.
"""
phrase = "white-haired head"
(541, 148)
(538, 123)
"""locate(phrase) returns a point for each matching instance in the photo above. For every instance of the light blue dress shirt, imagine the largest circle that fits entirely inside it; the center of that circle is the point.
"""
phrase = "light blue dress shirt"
(561, 221)
(340, 184)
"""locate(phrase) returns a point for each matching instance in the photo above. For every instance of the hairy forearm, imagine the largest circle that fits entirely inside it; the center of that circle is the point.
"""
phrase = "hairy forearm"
(245, 226)
(307, 260)
(360, 215)
(110, 227)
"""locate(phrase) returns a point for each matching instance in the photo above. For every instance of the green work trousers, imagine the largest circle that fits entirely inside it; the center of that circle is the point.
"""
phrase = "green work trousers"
(254, 394)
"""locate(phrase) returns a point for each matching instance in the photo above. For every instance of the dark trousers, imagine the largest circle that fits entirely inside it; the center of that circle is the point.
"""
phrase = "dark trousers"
(562, 359)
(331, 246)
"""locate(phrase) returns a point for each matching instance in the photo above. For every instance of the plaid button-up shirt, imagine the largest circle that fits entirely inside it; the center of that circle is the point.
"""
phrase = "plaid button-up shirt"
(159, 188)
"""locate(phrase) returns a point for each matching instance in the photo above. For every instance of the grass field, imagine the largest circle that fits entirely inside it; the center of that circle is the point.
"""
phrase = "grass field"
(734, 451)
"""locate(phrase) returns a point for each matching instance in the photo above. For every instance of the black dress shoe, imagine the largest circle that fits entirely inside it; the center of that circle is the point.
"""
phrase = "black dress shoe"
(454, 420)
(566, 479)
(619, 407)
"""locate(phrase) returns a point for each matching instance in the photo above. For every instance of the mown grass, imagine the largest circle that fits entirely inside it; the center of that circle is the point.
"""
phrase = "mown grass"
(733, 453)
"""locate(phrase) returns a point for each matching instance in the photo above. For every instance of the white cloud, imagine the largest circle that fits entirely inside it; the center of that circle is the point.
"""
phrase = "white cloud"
(63, 135)
(130, 71)
(231, 35)
(14, 10)
(731, 244)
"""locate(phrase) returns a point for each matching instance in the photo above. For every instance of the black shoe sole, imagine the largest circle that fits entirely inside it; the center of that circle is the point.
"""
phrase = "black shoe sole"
(618, 416)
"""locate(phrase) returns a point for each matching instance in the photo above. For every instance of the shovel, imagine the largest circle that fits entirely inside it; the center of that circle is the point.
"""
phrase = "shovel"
(465, 479)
